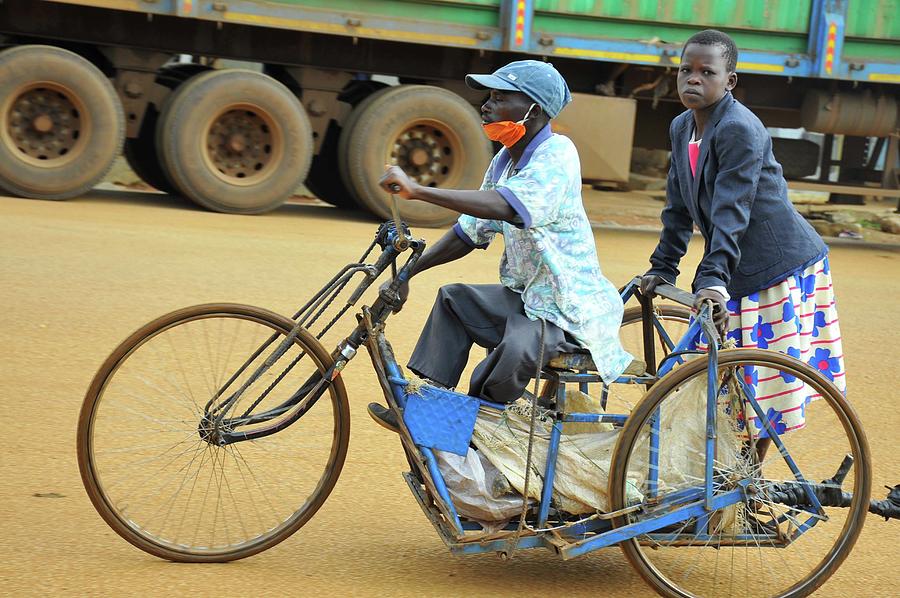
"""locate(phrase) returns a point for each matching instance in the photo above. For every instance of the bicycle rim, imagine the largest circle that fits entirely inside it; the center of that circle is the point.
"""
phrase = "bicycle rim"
(149, 465)
(750, 548)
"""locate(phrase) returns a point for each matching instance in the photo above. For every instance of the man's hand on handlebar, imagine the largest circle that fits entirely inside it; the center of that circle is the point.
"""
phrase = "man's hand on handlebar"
(395, 181)
(402, 292)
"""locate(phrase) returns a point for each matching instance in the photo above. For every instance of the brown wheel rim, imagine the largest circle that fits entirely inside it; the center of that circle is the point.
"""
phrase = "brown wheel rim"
(45, 124)
(242, 145)
(429, 152)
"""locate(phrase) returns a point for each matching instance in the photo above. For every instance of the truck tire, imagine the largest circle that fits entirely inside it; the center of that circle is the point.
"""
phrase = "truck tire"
(325, 180)
(432, 133)
(234, 141)
(62, 123)
(140, 152)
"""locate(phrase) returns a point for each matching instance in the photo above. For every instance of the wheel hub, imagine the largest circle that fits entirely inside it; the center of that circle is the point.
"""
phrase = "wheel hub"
(425, 153)
(419, 156)
(44, 124)
(236, 143)
(239, 145)
(209, 432)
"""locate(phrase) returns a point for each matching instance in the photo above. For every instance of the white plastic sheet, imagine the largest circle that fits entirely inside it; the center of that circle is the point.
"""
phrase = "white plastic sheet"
(470, 481)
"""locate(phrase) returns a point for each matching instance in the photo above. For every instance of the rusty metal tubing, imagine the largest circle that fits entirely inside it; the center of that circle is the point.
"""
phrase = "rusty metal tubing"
(648, 331)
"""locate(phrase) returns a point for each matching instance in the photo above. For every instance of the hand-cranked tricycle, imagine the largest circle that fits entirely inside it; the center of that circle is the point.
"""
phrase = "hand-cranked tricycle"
(216, 431)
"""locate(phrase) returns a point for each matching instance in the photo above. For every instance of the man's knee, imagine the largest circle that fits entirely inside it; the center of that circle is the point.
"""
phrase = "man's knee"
(449, 291)
(454, 297)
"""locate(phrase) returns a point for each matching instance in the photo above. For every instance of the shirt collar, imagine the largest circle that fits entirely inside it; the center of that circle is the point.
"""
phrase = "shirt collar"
(502, 162)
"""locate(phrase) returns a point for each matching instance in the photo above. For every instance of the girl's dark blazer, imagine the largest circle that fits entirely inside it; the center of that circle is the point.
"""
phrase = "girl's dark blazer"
(753, 235)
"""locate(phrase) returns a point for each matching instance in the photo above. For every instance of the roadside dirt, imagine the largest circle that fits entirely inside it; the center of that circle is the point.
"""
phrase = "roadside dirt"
(79, 276)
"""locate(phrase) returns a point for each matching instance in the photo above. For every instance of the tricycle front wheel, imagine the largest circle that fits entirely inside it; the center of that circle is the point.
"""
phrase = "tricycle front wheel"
(768, 538)
(155, 464)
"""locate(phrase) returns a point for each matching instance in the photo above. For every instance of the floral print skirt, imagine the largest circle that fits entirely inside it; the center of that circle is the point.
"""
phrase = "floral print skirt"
(796, 316)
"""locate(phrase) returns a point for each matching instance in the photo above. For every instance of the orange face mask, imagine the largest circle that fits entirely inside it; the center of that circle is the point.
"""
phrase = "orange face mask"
(507, 132)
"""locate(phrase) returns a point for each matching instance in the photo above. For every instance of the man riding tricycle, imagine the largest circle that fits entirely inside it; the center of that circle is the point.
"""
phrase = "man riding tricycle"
(217, 431)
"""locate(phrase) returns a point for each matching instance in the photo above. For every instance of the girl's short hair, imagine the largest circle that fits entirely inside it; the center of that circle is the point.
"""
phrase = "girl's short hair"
(714, 37)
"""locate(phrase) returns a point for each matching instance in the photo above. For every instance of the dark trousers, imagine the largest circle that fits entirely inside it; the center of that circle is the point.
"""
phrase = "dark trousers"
(493, 317)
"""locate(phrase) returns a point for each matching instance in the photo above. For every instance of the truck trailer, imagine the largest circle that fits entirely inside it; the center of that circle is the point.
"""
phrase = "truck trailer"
(329, 91)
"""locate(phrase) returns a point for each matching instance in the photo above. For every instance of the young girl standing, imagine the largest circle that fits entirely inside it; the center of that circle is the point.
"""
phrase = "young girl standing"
(764, 267)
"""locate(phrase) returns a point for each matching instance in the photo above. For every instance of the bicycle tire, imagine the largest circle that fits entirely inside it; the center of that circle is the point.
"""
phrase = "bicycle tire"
(653, 573)
(139, 536)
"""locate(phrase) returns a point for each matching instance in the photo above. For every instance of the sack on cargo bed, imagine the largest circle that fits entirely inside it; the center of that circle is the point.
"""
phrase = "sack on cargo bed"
(583, 462)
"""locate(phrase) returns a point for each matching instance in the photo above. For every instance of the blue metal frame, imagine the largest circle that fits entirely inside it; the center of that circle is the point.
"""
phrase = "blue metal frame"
(712, 397)
(606, 536)
(552, 453)
(645, 526)
(776, 439)
(695, 503)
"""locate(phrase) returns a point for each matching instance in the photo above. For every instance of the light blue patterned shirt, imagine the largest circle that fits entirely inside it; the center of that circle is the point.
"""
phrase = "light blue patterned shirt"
(549, 255)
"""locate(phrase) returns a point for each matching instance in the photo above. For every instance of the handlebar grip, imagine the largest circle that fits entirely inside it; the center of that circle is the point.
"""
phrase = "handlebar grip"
(675, 294)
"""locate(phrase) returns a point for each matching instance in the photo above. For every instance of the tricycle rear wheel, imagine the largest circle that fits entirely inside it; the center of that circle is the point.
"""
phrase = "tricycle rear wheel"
(740, 550)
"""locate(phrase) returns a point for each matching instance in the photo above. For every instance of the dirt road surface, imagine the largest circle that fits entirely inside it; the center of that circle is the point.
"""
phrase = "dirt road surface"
(77, 277)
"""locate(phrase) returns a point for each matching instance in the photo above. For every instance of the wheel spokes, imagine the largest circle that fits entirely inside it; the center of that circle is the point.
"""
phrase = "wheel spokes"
(157, 469)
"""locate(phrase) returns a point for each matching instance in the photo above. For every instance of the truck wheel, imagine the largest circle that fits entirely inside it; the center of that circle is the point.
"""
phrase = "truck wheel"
(61, 123)
(432, 134)
(140, 152)
(234, 141)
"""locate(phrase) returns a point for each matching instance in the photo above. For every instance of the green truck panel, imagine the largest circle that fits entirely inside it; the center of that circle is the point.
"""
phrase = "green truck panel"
(791, 17)
(775, 36)
(474, 13)
(874, 19)
(869, 19)
(766, 25)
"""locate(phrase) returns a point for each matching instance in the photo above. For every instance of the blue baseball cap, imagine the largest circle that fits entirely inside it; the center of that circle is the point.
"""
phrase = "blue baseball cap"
(538, 80)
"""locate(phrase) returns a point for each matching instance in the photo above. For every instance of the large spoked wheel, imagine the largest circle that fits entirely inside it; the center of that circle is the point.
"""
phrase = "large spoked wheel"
(771, 542)
(153, 465)
(61, 123)
(234, 141)
(434, 135)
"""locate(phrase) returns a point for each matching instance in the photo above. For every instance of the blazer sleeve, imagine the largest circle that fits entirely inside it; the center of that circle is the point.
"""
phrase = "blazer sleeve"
(677, 225)
(739, 152)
